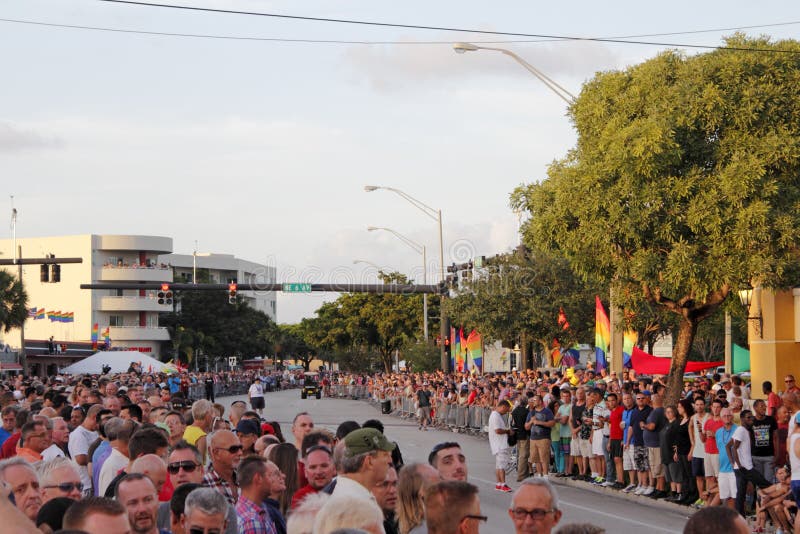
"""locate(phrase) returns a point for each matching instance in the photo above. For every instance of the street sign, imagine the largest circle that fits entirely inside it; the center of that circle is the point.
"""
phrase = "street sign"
(297, 288)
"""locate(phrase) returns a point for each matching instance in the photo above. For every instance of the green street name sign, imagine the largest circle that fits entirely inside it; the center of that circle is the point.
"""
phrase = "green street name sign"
(297, 288)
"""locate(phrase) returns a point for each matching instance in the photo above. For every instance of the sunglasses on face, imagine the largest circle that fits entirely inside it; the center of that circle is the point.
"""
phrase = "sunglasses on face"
(537, 513)
(175, 467)
(481, 518)
(197, 530)
(67, 487)
(233, 449)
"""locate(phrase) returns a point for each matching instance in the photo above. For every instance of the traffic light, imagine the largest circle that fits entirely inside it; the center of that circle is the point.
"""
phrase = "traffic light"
(165, 295)
(44, 273)
(232, 293)
(55, 273)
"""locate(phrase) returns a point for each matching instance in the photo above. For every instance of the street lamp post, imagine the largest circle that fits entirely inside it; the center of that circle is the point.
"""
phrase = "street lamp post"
(551, 84)
(419, 249)
(195, 254)
(371, 264)
(436, 215)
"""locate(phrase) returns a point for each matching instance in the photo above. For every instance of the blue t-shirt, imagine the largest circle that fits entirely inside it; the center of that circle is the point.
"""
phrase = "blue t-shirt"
(538, 431)
(4, 435)
(626, 418)
(639, 416)
(723, 437)
(174, 384)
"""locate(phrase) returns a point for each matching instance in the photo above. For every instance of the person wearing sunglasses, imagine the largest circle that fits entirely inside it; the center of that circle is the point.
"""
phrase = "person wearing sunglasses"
(206, 512)
(453, 507)
(534, 507)
(59, 477)
(226, 453)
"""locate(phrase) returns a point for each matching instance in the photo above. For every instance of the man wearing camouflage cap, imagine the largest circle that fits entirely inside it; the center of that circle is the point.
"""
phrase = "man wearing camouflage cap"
(367, 458)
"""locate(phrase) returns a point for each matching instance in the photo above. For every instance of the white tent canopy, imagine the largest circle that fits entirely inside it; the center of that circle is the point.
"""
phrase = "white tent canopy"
(118, 360)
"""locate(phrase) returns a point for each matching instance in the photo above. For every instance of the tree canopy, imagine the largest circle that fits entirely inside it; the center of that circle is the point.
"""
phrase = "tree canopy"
(13, 302)
(683, 185)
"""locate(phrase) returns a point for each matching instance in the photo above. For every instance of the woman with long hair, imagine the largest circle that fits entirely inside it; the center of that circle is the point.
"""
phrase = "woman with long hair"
(284, 455)
(411, 485)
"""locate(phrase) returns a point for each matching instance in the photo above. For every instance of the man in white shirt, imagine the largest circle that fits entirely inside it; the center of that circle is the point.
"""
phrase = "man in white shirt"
(498, 442)
(739, 450)
(119, 432)
(60, 440)
(79, 442)
(367, 457)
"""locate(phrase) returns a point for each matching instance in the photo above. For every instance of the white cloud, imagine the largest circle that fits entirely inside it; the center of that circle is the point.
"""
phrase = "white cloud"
(15, 138)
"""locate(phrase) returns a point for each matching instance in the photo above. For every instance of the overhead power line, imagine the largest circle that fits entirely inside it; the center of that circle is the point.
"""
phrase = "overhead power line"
(440, 28)
(357, 42)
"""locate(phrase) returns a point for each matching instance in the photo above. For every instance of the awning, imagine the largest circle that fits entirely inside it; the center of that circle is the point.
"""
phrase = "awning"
(10, 367)
(648, 364)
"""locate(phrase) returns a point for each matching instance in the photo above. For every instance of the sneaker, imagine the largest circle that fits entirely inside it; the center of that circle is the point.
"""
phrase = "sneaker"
(639, 490)
(618, 486)
(629, 488)
(699, 503)
(598, 481)
(498, 487)
(504, 488)
(608, 484)
(648, 491)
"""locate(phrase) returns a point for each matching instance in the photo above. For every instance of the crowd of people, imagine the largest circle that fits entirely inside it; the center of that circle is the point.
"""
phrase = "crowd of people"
(131, 453)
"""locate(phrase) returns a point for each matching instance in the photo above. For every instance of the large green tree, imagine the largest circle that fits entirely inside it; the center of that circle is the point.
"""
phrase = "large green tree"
(683, 184)
(517, 298)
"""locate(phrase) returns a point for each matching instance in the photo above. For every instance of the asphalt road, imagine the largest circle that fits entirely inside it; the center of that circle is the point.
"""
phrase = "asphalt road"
(615, 514)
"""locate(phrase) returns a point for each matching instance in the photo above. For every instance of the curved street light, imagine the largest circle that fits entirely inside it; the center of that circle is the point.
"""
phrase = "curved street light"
(419, 249)
(551, 84)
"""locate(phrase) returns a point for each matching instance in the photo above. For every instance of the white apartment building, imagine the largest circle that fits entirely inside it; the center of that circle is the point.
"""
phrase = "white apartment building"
(224, 269)
(129, 317)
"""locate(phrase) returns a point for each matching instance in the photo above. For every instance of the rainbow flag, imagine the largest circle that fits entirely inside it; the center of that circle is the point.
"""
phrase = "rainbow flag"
(95, 330)
(40, 314)
(32, 313)
(602, 334)
(562, 319)
(474, 347)
(107, 337)
(453, 341)
(555, 353)
(460, 363)
(629, 341)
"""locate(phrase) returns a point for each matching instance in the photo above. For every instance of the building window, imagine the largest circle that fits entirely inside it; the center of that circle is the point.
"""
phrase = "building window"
(115, 292)
(115, 320)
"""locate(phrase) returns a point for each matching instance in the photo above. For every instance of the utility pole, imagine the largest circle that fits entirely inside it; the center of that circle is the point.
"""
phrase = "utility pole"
(23, 359)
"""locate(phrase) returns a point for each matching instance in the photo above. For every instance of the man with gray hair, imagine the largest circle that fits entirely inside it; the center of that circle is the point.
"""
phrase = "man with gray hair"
(205, 510)
(534, 507)
(119, 432)
(24, 483)
(60, 440)
(367, 457)
(59, 477)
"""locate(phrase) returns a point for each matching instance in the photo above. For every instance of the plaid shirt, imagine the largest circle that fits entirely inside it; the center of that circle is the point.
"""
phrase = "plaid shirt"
(212, 480)
(252, 518)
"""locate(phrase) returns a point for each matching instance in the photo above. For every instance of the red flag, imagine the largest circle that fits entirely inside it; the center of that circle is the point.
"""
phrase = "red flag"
(562, 319)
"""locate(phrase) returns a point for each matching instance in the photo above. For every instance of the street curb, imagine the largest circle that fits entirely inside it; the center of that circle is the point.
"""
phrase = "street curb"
(647, 501)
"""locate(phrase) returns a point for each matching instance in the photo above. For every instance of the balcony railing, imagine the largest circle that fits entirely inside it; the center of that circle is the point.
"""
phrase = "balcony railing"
(139, 333)
(148, 303)
(113, 273)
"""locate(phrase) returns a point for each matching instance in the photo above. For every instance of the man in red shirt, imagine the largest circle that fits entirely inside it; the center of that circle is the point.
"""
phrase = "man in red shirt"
(711, 462)
(320, 470)
(615, 437)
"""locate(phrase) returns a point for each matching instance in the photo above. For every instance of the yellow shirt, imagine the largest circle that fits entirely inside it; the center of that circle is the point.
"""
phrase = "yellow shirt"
(192, 434)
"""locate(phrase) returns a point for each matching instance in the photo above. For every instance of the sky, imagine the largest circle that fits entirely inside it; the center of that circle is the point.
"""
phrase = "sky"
(261, 146)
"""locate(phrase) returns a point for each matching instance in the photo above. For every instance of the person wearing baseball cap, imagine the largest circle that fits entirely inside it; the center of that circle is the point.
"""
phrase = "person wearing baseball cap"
(248, 432)
(367, 456)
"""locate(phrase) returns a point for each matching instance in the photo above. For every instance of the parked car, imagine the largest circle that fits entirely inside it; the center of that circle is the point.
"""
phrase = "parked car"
(311, 385)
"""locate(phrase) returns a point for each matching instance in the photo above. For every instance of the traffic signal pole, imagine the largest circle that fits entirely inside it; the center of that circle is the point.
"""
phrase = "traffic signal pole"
(394, 289)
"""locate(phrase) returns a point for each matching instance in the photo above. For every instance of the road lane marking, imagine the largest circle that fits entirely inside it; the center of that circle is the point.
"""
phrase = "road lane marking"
(615, 516)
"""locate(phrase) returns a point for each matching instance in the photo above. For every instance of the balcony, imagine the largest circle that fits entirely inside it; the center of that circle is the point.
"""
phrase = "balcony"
(138, 333)
(135, 304)
(134, 274)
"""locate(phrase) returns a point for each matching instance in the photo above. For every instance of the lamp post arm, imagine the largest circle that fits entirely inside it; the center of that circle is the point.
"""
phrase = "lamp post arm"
(424, 208)
(565, 95)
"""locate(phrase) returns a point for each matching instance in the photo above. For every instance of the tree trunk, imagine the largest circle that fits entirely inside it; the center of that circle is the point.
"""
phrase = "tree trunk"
(680, 355)
(522, 364)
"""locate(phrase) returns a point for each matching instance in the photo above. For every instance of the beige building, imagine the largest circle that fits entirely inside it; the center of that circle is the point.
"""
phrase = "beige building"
(68, 314)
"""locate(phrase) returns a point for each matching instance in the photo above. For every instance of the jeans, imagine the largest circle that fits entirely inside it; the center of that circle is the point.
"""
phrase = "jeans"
(743, 476)
(766, 466)
(611, 471)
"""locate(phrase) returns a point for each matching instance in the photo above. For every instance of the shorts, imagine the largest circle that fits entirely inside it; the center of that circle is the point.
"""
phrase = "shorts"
(424, 412)
(654, 458)
(575, 447)
(796, 491)
(257, 403)
(502, 459)
(698, 467)
(711, 465)
(540, 451)
(628, 462)
(585, 448)
(616, 448)
(640, 459)
(727, 485)
(565, 445)
(598, 443)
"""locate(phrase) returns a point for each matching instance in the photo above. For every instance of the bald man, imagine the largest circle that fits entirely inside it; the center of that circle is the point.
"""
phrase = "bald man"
(153, 467)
